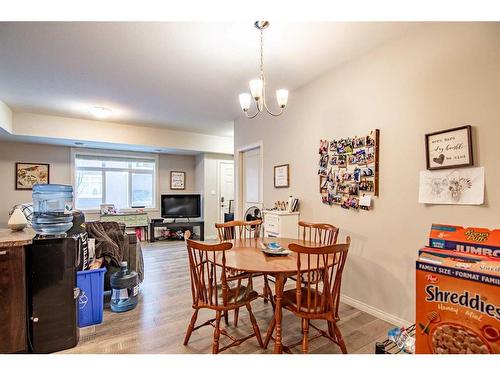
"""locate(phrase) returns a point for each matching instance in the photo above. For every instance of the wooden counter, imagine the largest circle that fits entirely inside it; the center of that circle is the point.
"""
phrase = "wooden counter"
(13, 289)
(10, 238)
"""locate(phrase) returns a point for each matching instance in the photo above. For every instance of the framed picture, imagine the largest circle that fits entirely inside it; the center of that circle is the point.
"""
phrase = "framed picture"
(282, 176)
(29, 174)
(107, 209)
(177, 180)
(450, 148)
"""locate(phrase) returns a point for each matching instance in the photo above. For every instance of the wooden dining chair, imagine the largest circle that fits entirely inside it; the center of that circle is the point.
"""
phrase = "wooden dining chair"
(316, 300)
(242, 230)
(324, 234)
(211, 290)
(238, 229)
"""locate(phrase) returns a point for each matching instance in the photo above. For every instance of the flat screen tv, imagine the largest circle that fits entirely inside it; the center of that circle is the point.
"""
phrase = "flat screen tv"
(180, 205)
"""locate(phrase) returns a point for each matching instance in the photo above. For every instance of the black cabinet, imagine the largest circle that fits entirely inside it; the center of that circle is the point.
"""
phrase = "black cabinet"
(52, 303)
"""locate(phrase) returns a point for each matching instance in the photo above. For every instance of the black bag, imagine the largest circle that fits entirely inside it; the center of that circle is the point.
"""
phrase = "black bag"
(79, 231)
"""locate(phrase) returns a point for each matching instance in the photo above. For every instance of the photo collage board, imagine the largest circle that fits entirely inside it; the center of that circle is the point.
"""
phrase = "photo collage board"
(348, 171)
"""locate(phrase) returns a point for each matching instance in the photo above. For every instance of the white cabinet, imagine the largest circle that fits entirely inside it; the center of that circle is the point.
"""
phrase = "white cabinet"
(281, 224)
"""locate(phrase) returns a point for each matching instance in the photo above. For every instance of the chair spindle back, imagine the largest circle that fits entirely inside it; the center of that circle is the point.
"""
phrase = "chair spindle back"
(237, 229)
(324, 234)
(208, 273)
(322, 298)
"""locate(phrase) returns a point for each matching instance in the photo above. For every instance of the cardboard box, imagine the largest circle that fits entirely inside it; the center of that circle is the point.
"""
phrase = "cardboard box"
(475, 241)
(457, 303)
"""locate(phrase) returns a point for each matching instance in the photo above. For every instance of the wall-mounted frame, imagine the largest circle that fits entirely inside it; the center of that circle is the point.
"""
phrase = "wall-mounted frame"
(29, 174)
(451, 148)
(348, 170)
(177, 180)
(282, 176)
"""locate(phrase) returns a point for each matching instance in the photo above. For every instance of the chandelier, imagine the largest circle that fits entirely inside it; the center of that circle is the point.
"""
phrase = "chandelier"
(258, 86)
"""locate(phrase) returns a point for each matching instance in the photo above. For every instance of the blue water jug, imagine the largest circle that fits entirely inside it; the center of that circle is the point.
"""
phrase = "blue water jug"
(52, 206)
(125, 289)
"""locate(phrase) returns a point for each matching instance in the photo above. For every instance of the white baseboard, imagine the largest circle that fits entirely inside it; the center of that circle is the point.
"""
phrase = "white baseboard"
(398, 322)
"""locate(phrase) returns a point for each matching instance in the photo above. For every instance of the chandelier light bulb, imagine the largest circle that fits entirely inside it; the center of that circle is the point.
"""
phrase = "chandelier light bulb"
(256, 86)
(245, 100)
(282, 97)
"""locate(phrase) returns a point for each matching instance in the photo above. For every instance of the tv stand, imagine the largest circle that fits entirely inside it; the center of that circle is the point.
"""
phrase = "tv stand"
(184, 225)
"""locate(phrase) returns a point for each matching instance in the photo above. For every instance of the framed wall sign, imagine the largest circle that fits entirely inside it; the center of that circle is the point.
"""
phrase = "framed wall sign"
(29, 174)
(282, 176)
(177, 180)
(450, 148)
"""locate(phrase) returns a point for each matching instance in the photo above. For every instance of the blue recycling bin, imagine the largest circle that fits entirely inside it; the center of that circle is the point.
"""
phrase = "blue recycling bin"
(91, 298)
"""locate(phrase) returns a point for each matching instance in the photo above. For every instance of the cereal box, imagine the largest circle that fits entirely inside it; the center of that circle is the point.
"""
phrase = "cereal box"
(458, 303)
(475, 241)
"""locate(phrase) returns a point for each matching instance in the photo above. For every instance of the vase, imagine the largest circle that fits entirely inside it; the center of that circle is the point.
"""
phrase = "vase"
(17, 220)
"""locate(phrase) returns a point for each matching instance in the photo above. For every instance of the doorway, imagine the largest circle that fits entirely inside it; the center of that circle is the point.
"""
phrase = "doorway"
(225, 172)
(249, 182)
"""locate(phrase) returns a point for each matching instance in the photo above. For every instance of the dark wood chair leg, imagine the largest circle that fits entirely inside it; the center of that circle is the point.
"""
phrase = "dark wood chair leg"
(265, 289)
(236, 314)
(215, 345)
(226, 317)
(269, 333)
(254, 325)
(330, 329)
(190, 327)
(305, 335)
(338, 337)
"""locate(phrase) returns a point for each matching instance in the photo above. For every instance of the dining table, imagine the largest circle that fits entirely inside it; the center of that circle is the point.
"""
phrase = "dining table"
(246, 255)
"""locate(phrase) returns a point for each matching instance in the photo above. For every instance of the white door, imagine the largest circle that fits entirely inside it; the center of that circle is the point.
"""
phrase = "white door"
(226, 188)
(251, 175)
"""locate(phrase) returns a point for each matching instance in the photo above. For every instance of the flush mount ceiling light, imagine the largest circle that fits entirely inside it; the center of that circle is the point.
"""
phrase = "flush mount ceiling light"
(258, 86)
(100, 112)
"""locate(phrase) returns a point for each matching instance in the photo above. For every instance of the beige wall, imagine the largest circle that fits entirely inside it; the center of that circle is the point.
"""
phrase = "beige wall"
(60, 171)
(436, 77)
(59, 158)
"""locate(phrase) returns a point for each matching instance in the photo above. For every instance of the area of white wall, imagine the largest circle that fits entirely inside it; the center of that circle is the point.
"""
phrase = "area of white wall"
(64, 128)
(59, 158)
(5, 117)
(438, 76)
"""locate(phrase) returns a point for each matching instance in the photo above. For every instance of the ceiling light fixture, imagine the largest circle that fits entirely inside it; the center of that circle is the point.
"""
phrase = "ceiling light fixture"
(100, 112)
(258, 86)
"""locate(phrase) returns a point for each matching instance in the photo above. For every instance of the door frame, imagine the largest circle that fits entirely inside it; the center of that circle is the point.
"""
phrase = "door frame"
(219, 162)
(238, 166)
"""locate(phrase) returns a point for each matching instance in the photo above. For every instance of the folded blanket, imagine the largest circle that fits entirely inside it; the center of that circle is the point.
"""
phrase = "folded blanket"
(108, 241)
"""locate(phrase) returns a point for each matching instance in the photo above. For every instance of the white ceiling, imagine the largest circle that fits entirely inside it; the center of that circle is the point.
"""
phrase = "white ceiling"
(177, 75)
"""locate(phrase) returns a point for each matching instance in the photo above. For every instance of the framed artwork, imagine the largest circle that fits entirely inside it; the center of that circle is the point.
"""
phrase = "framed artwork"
(107, 209)
(282, 176)
(177, 180)
(29, 174)
(451, 148)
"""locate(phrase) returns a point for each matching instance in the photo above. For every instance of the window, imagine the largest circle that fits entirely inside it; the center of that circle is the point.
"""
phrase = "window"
(123, 181)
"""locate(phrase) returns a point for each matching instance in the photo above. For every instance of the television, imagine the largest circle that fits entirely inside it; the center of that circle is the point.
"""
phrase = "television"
(180, 206)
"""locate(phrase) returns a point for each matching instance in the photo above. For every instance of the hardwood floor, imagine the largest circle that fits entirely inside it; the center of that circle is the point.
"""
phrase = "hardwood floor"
(159, 322)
